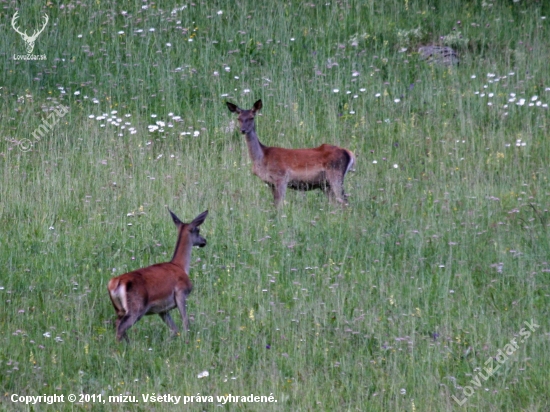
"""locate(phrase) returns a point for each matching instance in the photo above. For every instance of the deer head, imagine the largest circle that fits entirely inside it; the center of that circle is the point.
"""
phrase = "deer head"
(29, 40)
(246, 117)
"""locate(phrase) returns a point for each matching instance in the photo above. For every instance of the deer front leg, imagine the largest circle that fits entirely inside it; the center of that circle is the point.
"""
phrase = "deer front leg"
(181, 302)
(279, 191)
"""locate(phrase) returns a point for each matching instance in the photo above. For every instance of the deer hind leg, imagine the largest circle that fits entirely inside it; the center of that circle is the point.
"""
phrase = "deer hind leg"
(120, 312)
(134, 309)
(118, 319)
(125, 323)
(118, 299)
(327, 189)
(335, 187)
(169, 321)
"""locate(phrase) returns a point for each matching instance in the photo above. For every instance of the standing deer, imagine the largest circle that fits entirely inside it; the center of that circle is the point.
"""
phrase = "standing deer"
(158, 288)
(323, 167)
(30, 40)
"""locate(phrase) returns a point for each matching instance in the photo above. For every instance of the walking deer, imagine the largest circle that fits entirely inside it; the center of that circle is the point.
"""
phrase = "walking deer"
(159, 288)
(323, 167)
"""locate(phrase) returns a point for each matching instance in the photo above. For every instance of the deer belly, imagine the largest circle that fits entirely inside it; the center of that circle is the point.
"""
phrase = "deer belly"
(308, 182)
(162, 306)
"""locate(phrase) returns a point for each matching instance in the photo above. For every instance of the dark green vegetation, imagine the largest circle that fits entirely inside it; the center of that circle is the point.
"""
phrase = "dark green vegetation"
(393, 304)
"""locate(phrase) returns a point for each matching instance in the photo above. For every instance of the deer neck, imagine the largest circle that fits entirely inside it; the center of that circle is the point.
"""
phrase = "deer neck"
(182, 253)
(255, 148)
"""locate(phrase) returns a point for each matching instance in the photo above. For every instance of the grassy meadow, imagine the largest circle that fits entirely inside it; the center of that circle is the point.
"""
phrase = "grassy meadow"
(395, 303)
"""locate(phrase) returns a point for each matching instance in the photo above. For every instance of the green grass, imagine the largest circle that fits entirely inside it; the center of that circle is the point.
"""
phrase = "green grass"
(392, 304)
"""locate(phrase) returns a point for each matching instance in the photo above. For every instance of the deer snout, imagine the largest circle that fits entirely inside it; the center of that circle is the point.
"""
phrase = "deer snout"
(245, 126)
(201, 242)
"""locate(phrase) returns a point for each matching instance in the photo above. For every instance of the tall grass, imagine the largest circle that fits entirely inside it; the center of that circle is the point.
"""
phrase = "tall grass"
(392, 304)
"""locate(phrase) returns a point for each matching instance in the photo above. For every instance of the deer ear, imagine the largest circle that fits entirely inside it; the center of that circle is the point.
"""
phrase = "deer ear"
(199, 220)
(257, 105)
(232, 107)
(176, 219)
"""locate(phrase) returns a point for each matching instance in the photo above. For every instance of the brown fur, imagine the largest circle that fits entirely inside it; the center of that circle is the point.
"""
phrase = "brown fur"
(323, 167)
(159, 288)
